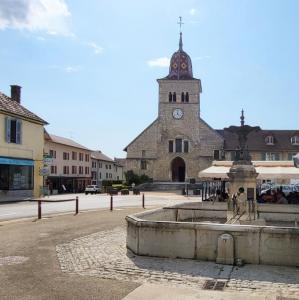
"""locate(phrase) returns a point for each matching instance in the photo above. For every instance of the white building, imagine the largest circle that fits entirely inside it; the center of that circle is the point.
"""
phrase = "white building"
(104, 168)
(70, 170)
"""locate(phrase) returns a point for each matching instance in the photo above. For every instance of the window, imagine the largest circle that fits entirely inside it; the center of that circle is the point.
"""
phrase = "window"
(174, 97)
(74, 155)
(143, 165)
(186, 146)
(100, 175)
(86, 170)
(66, 156)
(13, 177)
(81, 156)
(106, 175)
(87, 157)
(66, 170)
(74, 169)
(290, 155)
(183, 97)
(295, 140)
(80, 170)
(106, 167)
(109, 167)
(187, 97)
(170, 146)
(270, 156)
(13, 130)
(178, 145)
(53, 169)
(170, 97)
(53, 153)
(100, 165)
(216, 154)
(269, 140)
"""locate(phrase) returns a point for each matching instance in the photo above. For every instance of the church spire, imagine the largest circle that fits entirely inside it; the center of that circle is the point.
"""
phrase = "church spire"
(181, 39)
(181, 43)
(242, 118)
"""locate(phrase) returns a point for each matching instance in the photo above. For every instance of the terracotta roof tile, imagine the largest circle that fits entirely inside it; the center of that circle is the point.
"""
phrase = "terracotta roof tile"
(66, 141)
(100, 156)
(10, 106)
(256, 140)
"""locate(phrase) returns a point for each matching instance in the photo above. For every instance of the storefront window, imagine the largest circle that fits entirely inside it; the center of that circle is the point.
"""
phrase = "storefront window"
(14, 177)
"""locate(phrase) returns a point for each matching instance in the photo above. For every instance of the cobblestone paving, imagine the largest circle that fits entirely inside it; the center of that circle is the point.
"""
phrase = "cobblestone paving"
(104, 254)
(12, 260)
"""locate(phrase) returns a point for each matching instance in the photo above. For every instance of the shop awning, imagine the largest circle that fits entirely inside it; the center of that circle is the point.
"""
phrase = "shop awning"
(265, 169)
(16, 161)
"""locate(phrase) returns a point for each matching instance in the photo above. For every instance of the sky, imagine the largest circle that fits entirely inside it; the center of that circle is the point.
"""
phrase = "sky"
(89, 68)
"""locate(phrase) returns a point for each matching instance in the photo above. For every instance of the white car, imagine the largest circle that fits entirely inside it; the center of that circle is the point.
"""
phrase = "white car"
(92, 189)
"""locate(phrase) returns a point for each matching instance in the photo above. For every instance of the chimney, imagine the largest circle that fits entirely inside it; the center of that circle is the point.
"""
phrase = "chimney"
(15, 93)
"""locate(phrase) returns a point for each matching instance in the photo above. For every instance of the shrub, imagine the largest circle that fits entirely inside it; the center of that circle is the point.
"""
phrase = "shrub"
(124, 192)
(131, 177)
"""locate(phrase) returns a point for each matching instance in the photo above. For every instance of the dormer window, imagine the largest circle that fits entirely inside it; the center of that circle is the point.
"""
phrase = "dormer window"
(295, 140)
(269, 140)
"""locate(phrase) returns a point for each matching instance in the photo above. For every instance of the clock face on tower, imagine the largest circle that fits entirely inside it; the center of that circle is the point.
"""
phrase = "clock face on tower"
(177, 113)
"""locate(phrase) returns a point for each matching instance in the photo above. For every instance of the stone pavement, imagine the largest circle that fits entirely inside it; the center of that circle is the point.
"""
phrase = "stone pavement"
(162, 292)
(104, 255)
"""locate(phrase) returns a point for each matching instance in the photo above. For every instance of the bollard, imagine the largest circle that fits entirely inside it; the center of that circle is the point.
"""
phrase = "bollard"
(111, 203)
(143, 200)
(39, 209)
(77, 205)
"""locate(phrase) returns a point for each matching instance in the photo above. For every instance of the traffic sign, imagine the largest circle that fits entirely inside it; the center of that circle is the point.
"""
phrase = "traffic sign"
(44, 171)
(47, 159)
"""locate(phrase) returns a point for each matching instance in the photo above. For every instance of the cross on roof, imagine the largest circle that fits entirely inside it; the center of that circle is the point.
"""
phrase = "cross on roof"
(180, 23)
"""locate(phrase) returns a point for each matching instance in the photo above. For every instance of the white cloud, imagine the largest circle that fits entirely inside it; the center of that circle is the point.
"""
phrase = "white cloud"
(202, 57)
(161, 62)
(192, 11)
(96, 48)
(50, 16)
(67, 69)
(72, 69)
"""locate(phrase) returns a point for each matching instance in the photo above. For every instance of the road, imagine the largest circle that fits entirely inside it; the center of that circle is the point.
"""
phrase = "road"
(27, 209)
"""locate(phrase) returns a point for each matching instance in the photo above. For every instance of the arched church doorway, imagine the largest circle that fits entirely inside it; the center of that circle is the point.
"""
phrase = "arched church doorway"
(178, 169)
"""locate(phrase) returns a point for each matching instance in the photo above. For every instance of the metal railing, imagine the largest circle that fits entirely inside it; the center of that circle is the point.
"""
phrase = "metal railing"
(40, 201)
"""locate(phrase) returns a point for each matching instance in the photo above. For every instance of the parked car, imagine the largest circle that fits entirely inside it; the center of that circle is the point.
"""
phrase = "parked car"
(92, 189)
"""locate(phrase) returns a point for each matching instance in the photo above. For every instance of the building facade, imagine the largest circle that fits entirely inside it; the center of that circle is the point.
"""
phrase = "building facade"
(179, 143)
(70, 169)
(263, 145)
(104, 168)
(21, 148)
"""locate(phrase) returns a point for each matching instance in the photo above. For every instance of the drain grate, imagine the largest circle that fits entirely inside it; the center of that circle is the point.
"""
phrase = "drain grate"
(213, 284)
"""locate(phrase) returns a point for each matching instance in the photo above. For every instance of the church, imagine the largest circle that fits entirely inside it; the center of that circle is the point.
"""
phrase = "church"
(178, 143)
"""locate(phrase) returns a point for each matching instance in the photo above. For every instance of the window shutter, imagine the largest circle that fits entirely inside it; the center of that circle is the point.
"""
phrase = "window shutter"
(7, 129)
(19, 132)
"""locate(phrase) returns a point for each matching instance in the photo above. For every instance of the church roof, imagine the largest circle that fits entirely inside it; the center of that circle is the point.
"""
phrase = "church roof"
(126, 148)
(180, 64)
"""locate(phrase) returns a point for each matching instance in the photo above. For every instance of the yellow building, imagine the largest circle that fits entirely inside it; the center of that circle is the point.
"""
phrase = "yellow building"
(21, 148)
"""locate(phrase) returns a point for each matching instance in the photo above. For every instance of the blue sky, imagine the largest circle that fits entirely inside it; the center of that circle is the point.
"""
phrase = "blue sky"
(90, 67)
